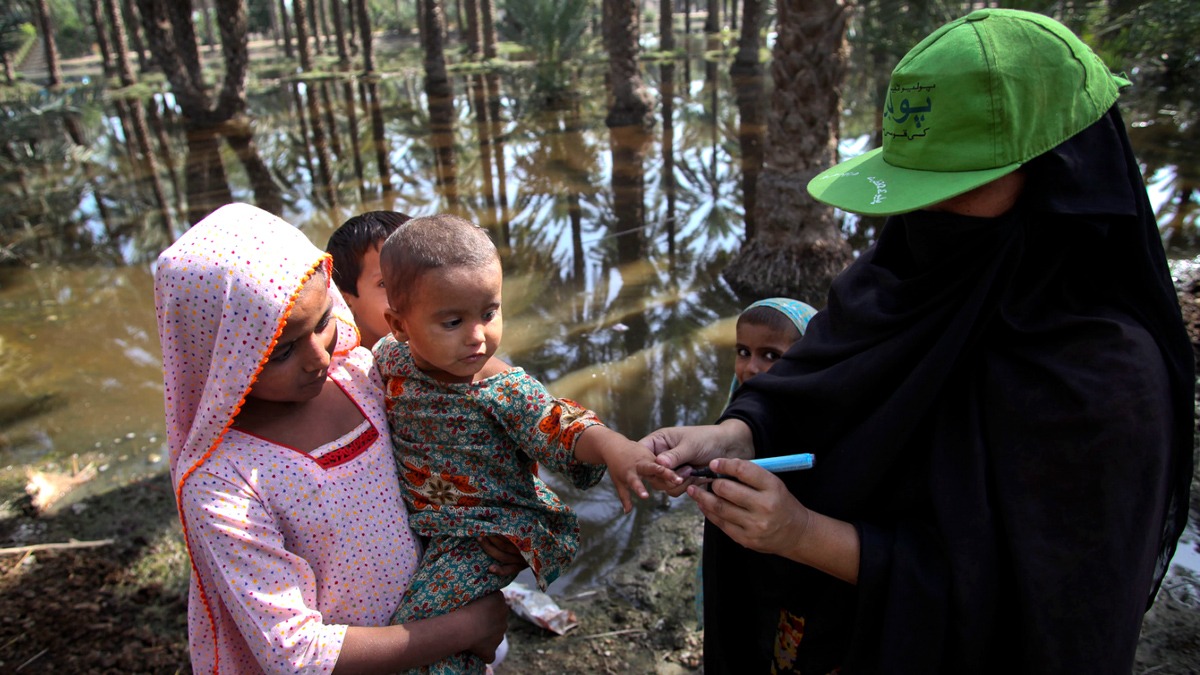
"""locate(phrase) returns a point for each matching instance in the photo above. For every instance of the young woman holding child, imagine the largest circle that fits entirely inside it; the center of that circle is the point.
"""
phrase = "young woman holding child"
(282, 465)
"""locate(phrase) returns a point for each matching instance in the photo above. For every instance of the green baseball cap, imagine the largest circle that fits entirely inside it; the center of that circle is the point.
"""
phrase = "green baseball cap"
(970, 103)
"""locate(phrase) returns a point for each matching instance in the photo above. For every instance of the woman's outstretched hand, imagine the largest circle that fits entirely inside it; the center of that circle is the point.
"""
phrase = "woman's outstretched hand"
(682, 448)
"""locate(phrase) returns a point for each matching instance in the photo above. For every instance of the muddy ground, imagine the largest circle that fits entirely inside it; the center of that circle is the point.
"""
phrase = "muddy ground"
(120, 607)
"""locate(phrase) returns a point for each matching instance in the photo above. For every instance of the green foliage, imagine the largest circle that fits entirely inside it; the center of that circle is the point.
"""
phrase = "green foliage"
(388, 15)
(553, 30)
(72, 33)
(15, 33)
(1161, 39)
(43, 168)
(258, 15)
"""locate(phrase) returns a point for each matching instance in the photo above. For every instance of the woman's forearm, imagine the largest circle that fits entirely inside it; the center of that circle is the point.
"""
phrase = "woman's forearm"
(829, 545)
(386, 649)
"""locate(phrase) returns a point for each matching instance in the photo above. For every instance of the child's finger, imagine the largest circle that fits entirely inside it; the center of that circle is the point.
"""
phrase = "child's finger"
(657, 472)
(635, 484)
(623, 494)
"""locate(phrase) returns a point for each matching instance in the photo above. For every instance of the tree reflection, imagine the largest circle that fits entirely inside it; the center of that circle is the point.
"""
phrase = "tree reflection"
(492, 82)
(267, 193)
(323, 187)
(667, 89)
(369, 90)
(483, 131)
(133, 114)
(351, 109)
(207, 182)
(748, 85)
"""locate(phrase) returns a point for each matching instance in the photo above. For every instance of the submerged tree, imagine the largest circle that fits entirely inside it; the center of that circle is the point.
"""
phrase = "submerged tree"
(631, 103)
(440, 95)
(172, 38)
(487, 27)
(300, 13)
(750, 41)
(363, 20)
(798, 248)
(46, 24)
(471, 7)
(97, 16)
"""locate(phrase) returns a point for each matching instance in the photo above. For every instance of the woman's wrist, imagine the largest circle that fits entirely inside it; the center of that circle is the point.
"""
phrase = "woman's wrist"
(827, 544)
(737, 439)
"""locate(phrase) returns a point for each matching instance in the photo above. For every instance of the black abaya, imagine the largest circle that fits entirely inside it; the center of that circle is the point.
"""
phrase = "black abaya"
(1003, 409)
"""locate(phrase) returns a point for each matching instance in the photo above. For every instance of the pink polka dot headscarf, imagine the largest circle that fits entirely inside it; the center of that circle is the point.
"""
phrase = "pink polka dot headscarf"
(222, 292)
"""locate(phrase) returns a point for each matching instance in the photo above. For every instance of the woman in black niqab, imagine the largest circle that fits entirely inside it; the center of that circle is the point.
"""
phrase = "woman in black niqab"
(1003, 409)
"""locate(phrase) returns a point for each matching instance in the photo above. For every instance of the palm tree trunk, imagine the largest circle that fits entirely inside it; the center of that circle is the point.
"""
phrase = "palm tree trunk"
(751, 130)
(322, 19)
(180, 14)
(712, 24)
(487, 27)
(287, 30)
(312, 26)
(440, 96)
(666, 25)
(631, 102)
(750, 42)
(168, 25)
(133, 21)
(106, 58)
(9, 76)
(300, 13)
(120, 44)
(364, 31)
(46, 24)
(472, 9)
(668, 152)
(339, 34)
(798, 247)
(232, 22)
(437, 81)
(174, 54)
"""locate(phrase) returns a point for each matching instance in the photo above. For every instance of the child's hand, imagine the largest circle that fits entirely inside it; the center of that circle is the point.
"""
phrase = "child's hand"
(627, 478)
(509, 560)
(628, 463)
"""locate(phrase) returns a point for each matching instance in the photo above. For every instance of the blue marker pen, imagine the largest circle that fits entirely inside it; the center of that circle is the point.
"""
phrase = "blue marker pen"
(796, 462)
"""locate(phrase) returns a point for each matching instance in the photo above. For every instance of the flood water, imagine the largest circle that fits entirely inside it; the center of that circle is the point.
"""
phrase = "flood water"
(613, 294)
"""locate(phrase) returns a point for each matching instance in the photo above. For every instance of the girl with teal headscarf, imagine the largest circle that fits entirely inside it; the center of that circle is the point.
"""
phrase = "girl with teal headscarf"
(765, 330)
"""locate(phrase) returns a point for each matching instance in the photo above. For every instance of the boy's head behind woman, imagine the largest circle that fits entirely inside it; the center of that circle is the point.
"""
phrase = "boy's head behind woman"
(765, 330)
(443, 279)
(355, 250)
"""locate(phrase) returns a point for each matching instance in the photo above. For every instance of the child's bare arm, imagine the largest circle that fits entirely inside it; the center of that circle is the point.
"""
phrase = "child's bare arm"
(628, 462)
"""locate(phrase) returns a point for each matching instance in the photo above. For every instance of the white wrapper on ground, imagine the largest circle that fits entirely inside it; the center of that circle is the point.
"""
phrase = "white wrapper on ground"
(538, 608)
